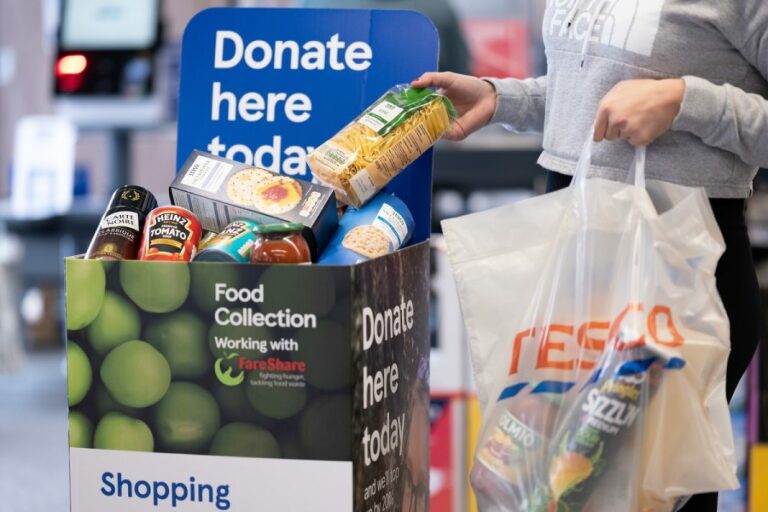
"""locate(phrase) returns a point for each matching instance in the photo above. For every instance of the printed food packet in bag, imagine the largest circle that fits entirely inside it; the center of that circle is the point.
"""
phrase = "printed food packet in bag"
(568, 453)
(600, 432)
(388, 136)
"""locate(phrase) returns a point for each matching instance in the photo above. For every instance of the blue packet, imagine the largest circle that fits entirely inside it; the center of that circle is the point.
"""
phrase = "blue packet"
(380, 227)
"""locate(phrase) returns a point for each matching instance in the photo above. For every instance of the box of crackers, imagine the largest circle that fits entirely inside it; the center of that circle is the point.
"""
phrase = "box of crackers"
(218, 191)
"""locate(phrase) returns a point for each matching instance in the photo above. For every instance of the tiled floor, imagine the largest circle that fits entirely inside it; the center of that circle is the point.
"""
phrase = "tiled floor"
(33, 436)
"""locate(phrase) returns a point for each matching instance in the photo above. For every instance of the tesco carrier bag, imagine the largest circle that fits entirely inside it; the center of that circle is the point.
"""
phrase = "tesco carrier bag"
(599, 346)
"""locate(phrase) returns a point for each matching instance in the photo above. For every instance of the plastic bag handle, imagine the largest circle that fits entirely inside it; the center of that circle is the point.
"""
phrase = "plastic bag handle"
(584, 164)
(636, 172)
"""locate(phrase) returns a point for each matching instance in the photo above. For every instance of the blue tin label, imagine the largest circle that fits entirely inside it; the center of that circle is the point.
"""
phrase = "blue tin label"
(234, 243)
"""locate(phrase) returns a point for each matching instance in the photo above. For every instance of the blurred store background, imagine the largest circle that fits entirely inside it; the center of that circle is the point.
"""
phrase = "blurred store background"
(83, 109)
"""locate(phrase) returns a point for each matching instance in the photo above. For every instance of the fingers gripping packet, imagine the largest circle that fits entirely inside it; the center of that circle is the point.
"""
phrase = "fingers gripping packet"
(381, 227)
(388, 136)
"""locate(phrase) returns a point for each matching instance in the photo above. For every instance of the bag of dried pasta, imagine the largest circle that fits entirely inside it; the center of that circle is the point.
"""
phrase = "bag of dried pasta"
(388, 136)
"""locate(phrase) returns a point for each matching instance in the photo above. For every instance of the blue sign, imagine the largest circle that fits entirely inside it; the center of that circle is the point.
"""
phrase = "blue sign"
(266, 86)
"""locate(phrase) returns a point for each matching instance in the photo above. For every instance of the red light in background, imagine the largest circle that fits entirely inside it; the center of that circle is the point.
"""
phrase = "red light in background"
(71, 65)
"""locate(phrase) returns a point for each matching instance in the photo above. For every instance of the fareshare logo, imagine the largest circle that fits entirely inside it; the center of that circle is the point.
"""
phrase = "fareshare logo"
(225, 375)
(630, 25)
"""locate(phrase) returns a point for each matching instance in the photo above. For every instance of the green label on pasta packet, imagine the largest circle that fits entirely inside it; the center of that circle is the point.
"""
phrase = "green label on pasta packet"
(395, 107)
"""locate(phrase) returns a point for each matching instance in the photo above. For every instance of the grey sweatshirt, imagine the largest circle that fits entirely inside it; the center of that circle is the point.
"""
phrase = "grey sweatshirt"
(719, 47)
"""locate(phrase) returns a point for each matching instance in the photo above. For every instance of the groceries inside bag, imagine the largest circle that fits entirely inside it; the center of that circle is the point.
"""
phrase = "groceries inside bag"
(599, 346)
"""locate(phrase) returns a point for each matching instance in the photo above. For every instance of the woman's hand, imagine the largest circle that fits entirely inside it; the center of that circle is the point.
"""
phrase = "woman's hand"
(474, 99)
(639, 111)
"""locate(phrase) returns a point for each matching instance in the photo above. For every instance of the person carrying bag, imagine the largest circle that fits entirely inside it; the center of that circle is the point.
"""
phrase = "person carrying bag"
(687, 79)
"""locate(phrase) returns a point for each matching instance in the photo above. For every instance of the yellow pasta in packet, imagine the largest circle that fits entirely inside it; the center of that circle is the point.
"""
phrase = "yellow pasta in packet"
(374, 148)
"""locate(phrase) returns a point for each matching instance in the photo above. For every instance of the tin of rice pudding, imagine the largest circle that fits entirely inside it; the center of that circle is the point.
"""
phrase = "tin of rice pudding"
(233, 244)
(381, 227)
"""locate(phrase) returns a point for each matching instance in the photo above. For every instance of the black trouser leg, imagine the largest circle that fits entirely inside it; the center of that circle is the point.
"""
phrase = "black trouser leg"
(740, 293)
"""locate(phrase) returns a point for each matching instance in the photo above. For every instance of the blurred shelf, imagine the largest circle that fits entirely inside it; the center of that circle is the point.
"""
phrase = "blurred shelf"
(758, 235)
(757, 218)
(112, 113)
(491, 158)
(468, 170)
(83, 217)
(494, 138)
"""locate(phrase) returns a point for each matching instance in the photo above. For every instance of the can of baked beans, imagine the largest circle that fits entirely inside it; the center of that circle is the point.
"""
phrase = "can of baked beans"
(170, 233)
(232, 245)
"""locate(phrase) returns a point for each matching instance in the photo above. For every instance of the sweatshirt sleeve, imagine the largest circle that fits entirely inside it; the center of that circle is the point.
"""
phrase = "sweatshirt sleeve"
(520, 103)
(725, 116)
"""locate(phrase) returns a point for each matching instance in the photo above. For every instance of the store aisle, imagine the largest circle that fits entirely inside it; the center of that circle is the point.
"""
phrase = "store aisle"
(33, 436)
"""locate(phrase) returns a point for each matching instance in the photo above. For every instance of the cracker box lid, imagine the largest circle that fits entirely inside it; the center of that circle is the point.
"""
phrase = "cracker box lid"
(266, 86)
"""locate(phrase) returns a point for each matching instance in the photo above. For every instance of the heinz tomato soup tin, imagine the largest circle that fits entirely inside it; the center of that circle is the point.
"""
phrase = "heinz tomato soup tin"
(170, 234)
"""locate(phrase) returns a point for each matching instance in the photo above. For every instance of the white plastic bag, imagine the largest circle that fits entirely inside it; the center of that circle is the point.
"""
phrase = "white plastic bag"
(599, 346)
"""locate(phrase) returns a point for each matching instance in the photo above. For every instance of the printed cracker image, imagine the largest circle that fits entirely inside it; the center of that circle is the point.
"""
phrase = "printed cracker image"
(240, 186)
(277, 195)
(367, 241)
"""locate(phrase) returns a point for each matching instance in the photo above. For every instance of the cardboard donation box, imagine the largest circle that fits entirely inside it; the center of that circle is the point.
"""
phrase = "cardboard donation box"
(221, 386)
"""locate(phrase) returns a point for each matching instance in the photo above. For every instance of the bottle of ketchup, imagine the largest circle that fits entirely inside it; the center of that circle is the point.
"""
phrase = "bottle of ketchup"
(280, 243)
